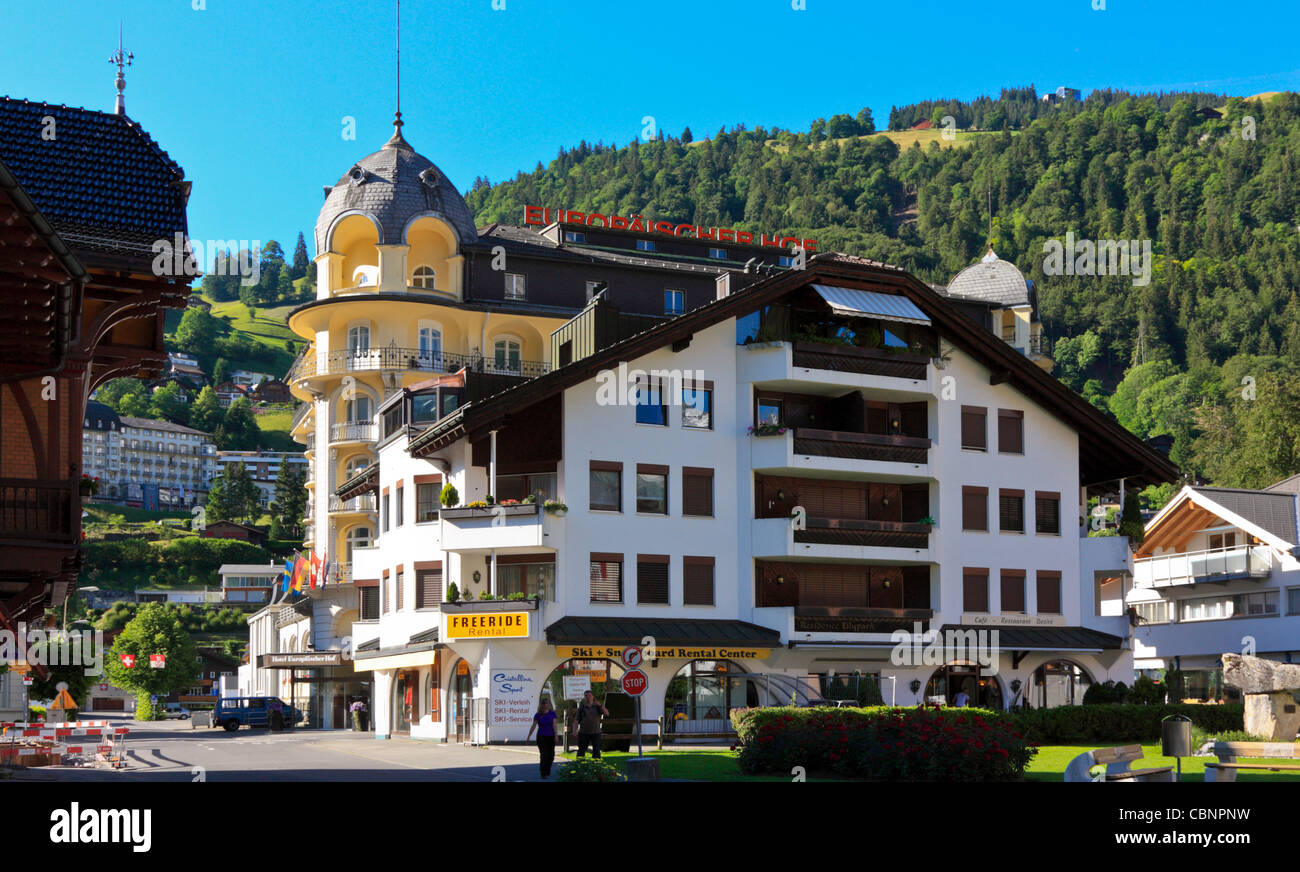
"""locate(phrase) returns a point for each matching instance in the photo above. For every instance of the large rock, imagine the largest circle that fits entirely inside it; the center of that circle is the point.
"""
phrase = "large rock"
(1271, 690)
(1256, 675)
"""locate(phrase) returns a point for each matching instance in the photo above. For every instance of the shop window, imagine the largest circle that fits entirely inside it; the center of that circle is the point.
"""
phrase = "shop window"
(1057, 683)
(702, 694)
(953, 679)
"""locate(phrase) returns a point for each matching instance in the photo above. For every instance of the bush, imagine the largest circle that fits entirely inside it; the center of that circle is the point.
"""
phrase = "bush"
(587, 769)
(888, 744)
(1086, 724)
(1146, 692)
(1106, 693)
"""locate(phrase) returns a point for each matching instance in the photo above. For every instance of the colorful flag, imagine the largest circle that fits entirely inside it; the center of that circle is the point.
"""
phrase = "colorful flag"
(288, 575)
(299, 573)
(315, 571)
(324, 568)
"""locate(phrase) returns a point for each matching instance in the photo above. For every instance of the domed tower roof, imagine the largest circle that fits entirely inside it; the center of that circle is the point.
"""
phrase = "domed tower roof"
(394, 185)
(992, 280)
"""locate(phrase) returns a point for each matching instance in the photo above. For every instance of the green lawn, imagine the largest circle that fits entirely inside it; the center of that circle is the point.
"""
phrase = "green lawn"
(100, 514)
(268, 327)
(719, 764)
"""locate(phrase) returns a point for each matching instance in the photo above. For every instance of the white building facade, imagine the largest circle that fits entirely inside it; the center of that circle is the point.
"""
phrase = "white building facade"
(138, 460)
(777, 497)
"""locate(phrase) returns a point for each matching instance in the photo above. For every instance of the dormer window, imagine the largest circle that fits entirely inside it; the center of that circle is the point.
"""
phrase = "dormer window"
(356, 175)
(423, 277)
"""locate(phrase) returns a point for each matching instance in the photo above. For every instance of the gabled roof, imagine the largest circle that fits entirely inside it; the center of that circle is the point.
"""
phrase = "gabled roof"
(1290, 485)
(1270, 517)
(1106, 450)
(103, 183)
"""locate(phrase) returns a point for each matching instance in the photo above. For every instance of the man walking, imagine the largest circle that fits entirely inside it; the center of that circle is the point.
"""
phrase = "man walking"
(587, 725)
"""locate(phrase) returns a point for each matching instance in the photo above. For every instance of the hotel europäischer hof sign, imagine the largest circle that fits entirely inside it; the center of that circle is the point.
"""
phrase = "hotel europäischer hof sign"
(541, 216)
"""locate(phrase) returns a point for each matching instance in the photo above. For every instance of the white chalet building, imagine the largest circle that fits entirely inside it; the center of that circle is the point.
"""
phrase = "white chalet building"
(909, 467)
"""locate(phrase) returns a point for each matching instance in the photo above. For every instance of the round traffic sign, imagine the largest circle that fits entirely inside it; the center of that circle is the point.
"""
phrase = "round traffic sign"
(631, 657)
(635, 682)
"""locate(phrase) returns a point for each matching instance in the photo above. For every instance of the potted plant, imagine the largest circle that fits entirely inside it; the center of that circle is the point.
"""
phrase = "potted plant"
(927, 520)
(767, 430)
(360, 717)
(449, 496)
(555, 507)
(453, 593)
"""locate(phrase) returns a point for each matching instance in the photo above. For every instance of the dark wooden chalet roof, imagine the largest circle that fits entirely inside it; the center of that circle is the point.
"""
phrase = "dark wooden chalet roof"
(1107, 451)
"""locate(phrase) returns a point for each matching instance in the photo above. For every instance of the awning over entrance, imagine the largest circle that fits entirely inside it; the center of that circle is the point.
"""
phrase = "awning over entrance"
(667, 632)
(870, 304)
(420, 650)
(1046, 638)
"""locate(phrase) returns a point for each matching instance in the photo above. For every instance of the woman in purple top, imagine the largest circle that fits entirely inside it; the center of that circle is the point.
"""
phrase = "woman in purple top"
(544, 724)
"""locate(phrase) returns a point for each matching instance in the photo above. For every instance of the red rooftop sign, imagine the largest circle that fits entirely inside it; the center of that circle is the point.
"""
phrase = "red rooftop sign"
(542, 216)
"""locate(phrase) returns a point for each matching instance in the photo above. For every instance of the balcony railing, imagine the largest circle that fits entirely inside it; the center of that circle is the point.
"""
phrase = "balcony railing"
(1192, 567)
(311, 442)
(854, 619)
(340, 573)
(38, 510)
(363, 503)
(864, 361)
(352, 431)
(301, 412)
(861, 446)
(392, 358)
(880, 534)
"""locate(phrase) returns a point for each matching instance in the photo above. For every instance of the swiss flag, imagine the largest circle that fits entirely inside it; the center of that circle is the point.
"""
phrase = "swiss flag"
(158, 661)
(128, 660)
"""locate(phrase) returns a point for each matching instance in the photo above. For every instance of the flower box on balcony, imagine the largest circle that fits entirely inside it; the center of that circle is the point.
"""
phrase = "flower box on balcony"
(494, 605)
(489, 512)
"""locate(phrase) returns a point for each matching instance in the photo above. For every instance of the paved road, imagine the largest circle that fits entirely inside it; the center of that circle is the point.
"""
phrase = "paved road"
(171, 751)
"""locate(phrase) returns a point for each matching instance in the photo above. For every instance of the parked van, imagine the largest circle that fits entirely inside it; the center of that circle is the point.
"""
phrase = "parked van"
(255, 711)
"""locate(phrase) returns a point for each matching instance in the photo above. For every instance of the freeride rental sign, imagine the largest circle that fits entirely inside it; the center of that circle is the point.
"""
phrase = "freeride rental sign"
(544, 215)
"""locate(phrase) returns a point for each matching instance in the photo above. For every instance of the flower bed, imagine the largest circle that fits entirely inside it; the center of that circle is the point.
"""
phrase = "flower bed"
(887, 744)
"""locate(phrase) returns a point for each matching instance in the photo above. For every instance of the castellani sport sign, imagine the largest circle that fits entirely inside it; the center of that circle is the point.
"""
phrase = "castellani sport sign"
(542, 216)
(499, 625)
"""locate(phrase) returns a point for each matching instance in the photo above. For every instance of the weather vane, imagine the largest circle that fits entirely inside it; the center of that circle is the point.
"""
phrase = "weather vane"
(123, 59)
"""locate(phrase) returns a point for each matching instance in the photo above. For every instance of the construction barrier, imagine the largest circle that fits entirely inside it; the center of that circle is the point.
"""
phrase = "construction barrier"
(32, 745)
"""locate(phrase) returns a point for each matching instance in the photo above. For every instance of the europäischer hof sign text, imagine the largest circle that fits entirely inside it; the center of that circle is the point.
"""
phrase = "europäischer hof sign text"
(502, 625)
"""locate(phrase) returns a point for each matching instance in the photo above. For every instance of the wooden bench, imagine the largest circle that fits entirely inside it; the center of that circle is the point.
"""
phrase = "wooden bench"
(1228, 752)
(1117, 762)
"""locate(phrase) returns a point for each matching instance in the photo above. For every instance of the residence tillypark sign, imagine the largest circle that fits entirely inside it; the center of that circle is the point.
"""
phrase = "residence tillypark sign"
(544, 215)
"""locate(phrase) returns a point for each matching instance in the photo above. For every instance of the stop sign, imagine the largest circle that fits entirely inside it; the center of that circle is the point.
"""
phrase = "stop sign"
(634, 682)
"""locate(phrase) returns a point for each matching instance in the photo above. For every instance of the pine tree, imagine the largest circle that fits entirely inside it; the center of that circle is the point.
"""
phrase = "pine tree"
(301, 262)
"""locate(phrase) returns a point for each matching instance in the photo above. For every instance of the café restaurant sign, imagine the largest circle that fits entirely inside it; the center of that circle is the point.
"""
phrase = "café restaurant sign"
(488, 625)
(543, 215)
(665, 652)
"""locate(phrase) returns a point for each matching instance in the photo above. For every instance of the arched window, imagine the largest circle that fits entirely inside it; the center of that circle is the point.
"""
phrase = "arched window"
(1057, 683)
(358, 340)
(355, 465)
(430, 346)
(423, 277)
(507, 354)
(363, 276)
(358, 411)
(358, 537)
(702, 694)
(947, 683)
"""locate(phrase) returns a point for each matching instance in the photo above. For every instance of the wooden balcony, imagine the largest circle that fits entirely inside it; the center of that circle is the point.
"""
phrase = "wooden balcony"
(880, 534)
(863, 361)
(861, 446)
(854, 619)
(38, 511)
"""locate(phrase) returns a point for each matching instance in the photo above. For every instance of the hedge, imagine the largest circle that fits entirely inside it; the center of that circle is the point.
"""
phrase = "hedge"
(887, 744)
(1087, 724)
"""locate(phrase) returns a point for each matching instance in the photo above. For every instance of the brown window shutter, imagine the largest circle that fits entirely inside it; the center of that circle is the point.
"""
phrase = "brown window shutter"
(916, 587)
(606, 578)
(915, 418)
(1047, 512)
(1049, 592)
(973, 430)
(975, 508)
(697, 491)
(1011, 431)
(400, 585)
(1013, 590)
(975, 590)
(428, 588)
(652, 579)
(697, 581)
(1011, 511)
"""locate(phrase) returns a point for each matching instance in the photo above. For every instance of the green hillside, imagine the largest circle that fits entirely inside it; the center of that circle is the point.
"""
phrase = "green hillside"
(1207, 351)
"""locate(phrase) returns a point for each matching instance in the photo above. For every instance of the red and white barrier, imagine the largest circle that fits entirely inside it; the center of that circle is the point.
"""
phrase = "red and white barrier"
(59, 725)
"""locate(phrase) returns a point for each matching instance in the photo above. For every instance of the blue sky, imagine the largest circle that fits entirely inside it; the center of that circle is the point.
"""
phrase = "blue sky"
(249, 96)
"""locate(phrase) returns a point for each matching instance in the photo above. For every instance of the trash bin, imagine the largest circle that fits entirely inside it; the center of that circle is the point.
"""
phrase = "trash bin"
(1176, 736)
